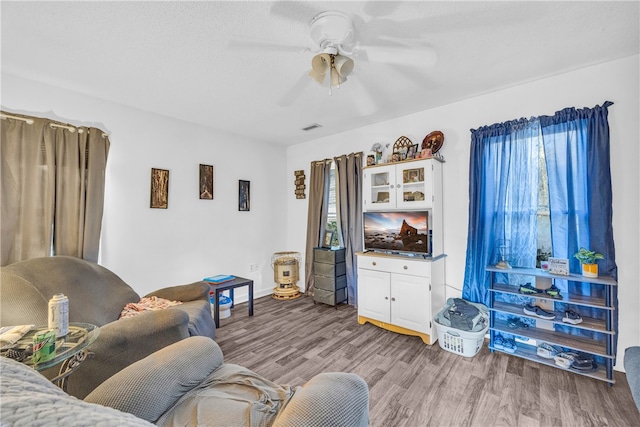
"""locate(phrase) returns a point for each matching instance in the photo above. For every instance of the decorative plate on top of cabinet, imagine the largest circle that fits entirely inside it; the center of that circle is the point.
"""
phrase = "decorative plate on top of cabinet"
(434, 141)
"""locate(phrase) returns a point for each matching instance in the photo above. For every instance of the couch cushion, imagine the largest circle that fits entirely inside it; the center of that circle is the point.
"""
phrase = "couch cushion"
(96, 295)
(21, 302)
(200, 321)
(149, 387)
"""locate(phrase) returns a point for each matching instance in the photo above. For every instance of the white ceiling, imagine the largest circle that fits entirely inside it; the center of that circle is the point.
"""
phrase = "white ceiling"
(174, 58)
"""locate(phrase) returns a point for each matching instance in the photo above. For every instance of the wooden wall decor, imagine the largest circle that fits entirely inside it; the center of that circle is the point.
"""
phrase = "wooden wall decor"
(206, 182)
(299, 183)
(159, 188)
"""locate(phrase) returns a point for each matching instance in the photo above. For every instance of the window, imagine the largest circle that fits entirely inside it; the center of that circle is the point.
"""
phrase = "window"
(544, 217)
(332, 211)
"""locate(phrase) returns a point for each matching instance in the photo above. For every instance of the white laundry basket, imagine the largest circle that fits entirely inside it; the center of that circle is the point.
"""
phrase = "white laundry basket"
(464, 343)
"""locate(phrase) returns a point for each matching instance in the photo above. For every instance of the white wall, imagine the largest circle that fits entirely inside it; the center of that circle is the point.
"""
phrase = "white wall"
(193, 238)
(616, 81)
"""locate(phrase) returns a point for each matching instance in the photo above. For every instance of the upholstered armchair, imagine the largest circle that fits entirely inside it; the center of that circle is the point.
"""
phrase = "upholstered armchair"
(97, 295)
(186, 384)
(632, 369)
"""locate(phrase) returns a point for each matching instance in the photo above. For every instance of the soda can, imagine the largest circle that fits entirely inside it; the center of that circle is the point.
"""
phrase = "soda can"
(59, 314)
(44, 346)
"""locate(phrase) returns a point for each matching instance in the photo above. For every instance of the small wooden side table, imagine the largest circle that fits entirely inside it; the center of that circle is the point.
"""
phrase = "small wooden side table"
(230, 286)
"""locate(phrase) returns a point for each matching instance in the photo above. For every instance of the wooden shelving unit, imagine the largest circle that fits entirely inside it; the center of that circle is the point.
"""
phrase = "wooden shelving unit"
(593, 336)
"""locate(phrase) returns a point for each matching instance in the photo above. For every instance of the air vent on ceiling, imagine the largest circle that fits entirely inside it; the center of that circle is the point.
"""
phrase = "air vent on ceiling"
(311, 126)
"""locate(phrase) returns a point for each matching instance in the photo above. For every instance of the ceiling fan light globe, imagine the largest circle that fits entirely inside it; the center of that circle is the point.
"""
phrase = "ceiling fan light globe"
(319, 66)
(344, 65)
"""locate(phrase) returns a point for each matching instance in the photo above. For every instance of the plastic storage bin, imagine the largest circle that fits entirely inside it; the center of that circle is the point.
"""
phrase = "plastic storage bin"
(225, 306)
(464, 343)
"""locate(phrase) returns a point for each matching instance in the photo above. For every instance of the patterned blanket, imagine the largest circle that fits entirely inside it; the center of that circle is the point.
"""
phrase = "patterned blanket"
(146, 304)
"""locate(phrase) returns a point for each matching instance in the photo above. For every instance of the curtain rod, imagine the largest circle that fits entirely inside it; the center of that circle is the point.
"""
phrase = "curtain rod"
(67, 127)
(9, 116)
(52, 125)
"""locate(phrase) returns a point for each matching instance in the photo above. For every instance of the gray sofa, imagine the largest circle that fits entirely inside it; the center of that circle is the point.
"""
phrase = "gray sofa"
(632, 369)
(185, 384)
(96, 295)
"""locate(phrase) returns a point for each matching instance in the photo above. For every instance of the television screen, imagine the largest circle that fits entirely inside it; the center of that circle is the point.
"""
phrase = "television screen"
(405, 232)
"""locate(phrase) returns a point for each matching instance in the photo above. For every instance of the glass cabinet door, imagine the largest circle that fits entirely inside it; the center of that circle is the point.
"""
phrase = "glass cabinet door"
(413, 189)
(380, 182)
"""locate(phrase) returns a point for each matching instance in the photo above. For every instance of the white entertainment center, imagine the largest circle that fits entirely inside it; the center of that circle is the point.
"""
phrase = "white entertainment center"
(402, 290)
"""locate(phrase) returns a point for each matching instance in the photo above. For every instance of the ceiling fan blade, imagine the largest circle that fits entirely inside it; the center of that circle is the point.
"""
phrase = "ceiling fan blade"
(421, 56)
(294, 10)
(294, 91)
(239, 45)
(380, 8)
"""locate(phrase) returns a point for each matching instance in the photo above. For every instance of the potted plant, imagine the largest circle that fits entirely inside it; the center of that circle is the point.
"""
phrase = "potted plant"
(588, 260)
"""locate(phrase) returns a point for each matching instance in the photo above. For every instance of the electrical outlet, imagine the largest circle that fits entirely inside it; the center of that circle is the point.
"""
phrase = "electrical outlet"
(253, 267)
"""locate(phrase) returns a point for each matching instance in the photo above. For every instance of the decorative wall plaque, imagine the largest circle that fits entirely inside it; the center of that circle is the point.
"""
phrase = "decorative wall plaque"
(299, 183)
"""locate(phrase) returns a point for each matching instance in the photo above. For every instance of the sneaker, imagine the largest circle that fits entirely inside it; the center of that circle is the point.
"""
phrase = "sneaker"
(534, 310)
(584, 362)
(565, 359)
(498, 342)
(553, 292)
(509, 345)
(529, 290)
(515, 323)
(548, 351)
(572, 317)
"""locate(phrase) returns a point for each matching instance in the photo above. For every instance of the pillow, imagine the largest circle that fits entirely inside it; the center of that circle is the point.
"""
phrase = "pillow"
(146, 304)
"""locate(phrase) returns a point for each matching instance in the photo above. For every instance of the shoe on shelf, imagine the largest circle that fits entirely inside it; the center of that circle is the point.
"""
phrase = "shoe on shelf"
(584, 362)
(548, 351)
(572, 317)
(498, 342)
(534, 310)
(565, 359)
(553, 292)
(515, 323)
(509, 345)
(529, 290)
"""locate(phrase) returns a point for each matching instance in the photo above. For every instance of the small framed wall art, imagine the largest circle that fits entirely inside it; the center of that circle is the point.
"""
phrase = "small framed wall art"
(159, 188)
(328, 238)
(244, 195)
(206, 182)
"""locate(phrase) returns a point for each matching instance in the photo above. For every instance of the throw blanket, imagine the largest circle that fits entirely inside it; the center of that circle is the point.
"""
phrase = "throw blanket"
(146, 304)
(232, 396)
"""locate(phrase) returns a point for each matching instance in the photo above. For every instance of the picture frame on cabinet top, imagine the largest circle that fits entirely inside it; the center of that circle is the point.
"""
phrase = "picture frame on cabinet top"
(328, 238)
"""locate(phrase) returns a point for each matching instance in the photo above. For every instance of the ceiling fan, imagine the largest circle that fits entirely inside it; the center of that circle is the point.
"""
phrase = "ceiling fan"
(339, 44)
(333, 33)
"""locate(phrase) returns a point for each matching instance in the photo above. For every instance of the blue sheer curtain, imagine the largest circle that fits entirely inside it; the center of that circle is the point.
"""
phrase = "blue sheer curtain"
(576, 143)
(503, 200)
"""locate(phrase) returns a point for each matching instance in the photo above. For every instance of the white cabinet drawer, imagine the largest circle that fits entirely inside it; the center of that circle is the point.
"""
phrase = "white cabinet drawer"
(407, 266)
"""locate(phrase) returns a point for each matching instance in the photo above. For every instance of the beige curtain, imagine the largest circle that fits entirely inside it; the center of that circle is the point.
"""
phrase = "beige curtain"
(316, 215)
(52, 190)
(349, 209)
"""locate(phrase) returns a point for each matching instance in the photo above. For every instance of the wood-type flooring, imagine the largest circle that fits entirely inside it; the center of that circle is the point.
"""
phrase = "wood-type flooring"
(413, 384)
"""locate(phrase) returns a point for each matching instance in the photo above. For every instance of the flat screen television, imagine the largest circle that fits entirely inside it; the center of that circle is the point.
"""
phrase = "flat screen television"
(403, 232)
